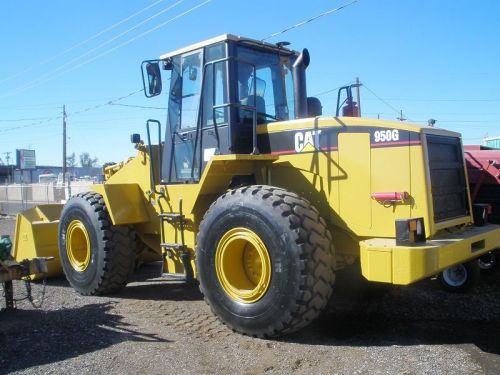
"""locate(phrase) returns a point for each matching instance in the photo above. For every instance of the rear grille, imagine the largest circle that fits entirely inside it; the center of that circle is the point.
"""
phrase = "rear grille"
(449, 189)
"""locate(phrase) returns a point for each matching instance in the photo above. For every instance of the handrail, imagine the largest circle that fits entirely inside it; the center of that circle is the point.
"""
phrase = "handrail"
(150, 149)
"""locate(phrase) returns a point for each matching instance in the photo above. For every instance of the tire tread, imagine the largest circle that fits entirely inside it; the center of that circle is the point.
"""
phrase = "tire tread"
(119, 249)
(317, 254)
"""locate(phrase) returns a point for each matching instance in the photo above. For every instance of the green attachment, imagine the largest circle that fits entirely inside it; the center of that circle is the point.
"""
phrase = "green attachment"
(5, 247)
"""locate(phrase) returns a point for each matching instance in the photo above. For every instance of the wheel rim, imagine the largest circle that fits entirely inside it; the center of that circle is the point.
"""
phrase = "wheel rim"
(243, 265)
(487, 261)
(455, 276)
(78, 246)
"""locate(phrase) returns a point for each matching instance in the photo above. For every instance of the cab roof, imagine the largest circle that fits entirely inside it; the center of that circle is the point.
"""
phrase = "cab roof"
(222, 38)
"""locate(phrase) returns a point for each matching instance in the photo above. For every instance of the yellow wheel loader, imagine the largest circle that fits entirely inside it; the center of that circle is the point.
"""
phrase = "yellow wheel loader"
(259, 197)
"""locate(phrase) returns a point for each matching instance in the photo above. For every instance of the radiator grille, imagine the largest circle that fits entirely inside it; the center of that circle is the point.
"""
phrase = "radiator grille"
(449, 189)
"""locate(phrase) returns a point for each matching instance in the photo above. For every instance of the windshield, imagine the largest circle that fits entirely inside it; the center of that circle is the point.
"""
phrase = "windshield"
(265, 82)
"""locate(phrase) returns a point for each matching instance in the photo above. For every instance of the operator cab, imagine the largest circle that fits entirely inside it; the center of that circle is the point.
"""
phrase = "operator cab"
(219, 91)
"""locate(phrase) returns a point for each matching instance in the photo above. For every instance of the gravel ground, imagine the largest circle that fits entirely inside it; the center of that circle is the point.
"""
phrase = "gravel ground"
(157, 325)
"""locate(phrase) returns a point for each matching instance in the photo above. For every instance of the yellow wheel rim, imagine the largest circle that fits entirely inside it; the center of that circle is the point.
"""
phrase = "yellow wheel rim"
(243, 265)
(78, 246)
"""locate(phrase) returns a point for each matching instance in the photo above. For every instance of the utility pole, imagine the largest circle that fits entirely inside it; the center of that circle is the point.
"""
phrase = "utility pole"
(401, 117)
(7, 156)
(64, 145)
(358, 85)
(9, 169)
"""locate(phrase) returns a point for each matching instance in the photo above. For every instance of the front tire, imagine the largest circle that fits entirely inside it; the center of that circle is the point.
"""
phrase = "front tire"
(264, 261)
(96, 256)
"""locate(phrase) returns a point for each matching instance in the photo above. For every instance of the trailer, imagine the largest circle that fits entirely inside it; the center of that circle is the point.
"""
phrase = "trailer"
(483, 168)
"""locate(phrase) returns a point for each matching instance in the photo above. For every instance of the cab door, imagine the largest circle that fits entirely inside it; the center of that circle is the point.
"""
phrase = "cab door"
(180, 159)
(198, 122)
(214, 137)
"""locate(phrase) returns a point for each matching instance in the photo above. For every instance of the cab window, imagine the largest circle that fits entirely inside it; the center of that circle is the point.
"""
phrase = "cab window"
(191, 88)
(265, 83)
(215, 90)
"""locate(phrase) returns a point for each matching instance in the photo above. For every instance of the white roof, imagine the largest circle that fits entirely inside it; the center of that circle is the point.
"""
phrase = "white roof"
(208, 42)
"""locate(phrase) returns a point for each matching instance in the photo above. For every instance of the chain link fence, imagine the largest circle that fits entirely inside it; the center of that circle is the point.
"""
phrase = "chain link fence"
(19, 197)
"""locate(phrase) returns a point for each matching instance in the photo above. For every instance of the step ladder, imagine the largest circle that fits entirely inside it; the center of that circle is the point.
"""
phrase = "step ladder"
(179, 248)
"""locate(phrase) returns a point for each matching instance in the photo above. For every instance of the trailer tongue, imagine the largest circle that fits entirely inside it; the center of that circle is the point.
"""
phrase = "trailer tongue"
(11, 270)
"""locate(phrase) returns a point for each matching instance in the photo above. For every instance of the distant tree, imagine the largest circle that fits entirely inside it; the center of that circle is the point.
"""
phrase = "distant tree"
(87, 161)
(71, 161)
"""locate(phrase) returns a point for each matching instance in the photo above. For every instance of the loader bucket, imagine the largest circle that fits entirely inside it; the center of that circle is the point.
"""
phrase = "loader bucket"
(36, 236)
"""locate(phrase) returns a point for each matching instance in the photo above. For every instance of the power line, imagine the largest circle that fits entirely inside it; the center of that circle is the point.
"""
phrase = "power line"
(444, 113)
(473, 139)
(109, 102)
(382, 100)
(302, 23)
(83, 42)
(467, 121)
(327, 91)
(128, 41)
(111, 49)
(50, 119)
(51, 106)
(468, 126)
(105, 111)
(53, 73)
(100, 112)
(45, 137)
(25, 119)
(442, 100)
(138, 106)
(33, 107)
(108, 119)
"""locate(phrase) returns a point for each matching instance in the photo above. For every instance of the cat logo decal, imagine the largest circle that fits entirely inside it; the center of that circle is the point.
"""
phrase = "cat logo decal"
(307, 141)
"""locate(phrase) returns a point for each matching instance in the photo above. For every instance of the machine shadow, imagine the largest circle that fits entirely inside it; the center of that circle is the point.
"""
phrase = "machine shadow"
(162, 291)
(421, 314)
(30, 338)
(146, 284)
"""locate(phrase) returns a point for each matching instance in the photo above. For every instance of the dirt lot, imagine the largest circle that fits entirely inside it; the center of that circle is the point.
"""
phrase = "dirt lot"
(157, 325)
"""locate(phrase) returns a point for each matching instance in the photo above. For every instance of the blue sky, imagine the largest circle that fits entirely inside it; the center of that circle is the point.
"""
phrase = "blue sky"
(436, 59)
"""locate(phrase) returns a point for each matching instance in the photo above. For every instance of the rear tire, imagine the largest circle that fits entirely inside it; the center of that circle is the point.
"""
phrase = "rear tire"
(460, 278)
(489, 261)
(97, 257)
(290, 252)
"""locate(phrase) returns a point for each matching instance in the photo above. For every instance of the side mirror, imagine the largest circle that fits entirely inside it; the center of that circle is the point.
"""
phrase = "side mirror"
(135, 138)
(151, 78)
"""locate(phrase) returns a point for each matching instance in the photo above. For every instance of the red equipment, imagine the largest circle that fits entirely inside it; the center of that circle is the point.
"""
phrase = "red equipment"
(483, 167)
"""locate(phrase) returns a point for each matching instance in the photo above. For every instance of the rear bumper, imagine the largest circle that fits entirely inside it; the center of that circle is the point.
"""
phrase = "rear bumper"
(383, 261)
